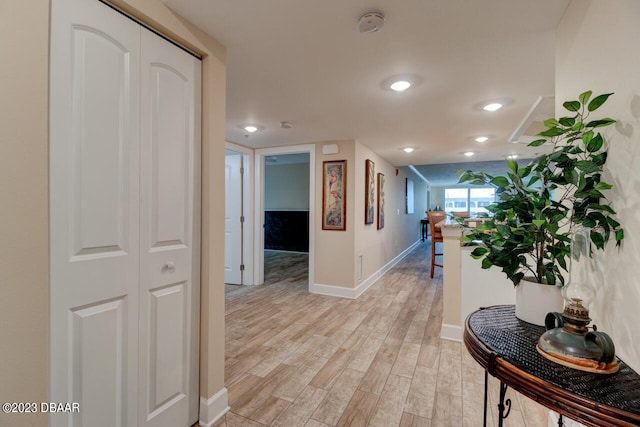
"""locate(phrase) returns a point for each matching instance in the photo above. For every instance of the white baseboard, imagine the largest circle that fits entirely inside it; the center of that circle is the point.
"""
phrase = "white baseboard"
(333, 291)
(451, 332)
(213, 408)
(353, 293)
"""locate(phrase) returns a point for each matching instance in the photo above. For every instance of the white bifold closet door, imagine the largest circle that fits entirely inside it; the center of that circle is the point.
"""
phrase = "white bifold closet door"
(124, 206)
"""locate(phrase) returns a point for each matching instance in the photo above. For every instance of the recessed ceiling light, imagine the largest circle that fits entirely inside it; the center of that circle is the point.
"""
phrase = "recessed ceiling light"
(492, 107)
(250, 128)
(400, 85)
(408, 150)
(481, 139)
(469, 153)
(512, 156)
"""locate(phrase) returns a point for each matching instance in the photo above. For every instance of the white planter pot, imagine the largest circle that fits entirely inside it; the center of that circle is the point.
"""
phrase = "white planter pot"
(535, 300)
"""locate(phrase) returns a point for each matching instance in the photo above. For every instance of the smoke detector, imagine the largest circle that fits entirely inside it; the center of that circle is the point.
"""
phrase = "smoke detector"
(371, 21)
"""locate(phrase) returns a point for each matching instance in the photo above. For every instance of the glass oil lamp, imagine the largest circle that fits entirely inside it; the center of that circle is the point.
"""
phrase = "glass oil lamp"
(569, 340)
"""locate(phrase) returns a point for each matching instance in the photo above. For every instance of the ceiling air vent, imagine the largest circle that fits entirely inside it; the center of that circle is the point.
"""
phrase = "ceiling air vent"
(533, 122)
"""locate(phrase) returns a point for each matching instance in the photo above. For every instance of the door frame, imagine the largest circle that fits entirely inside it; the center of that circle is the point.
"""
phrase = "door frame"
(247, 211)
(260, 155)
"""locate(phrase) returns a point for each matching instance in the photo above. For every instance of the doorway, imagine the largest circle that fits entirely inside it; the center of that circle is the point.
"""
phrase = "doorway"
(279, 211)
(233, 217)
(286, 216)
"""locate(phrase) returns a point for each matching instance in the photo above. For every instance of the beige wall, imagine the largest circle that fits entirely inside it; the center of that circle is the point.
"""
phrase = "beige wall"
(408, 229)
(597, 49)
(24, 305)
(401, 230)
(333, 250)
(337, 252)
(24, 27)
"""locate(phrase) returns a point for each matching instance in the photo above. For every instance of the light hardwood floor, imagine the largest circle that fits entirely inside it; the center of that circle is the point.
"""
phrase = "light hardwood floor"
(299, 359)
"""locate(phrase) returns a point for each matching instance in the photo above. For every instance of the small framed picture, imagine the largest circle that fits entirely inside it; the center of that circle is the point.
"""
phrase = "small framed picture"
(369, 193)
(334, 195)
(380, 201)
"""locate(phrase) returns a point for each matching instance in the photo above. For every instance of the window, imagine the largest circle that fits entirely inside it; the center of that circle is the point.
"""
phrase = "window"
(472, 200)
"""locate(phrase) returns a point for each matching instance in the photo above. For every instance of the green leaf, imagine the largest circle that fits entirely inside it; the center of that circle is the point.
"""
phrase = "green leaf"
(464, 177)
(516, 278)
(537, 143)
(500, 181)
(538, 222)
(551, 123)
(595, 144)
(603, 186)
(572, 177)
(551, 278)
(571, 105)
(512, 164)
(486, 263)
(578, 126)
(587, 136)
(587, 166)
(479, 252)
(524, 171)
(562, 261)
(604, 208)
(555, 131)
(619, 235)
(612, 222)
(584, 97)
(556, 155)
(533, 180)
(567, 121)
(468, 238)
(600, 159)
(597, 239)
(600, 123)
(598, 101)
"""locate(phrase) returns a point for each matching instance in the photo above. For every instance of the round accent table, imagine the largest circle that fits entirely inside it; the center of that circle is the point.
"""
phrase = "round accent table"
(506, 348)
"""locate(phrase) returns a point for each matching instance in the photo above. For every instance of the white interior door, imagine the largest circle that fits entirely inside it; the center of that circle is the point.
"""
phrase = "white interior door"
(94, 214)
(168, 252)
(113, 307)
(232, 223)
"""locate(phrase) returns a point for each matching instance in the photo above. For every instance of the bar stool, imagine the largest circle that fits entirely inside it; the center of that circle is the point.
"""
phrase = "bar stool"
(435, 217)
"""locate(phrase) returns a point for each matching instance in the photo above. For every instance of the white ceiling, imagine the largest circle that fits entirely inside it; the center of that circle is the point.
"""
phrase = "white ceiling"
(306, 62)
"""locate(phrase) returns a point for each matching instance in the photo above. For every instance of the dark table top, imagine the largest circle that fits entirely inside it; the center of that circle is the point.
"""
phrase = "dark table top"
(506, 347)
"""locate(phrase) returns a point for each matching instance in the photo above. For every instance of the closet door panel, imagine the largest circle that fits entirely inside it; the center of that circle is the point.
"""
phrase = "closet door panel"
(100, 115)
(170, 150)
(98, 362)
(167, 324)
(94, 213)
(168, 297)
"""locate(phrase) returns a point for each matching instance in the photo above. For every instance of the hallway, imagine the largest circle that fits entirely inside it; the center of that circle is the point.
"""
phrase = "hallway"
(299, 359)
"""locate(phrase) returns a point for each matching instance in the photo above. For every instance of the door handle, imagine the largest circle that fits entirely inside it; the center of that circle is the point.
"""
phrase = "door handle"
(169, 267)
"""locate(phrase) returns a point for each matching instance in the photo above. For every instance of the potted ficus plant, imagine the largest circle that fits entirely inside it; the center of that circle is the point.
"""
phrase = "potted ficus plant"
(540, 205)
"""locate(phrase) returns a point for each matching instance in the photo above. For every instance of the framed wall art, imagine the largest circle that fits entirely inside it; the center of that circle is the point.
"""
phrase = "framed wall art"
(334, 195)
(380, 201)
(369, 191)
